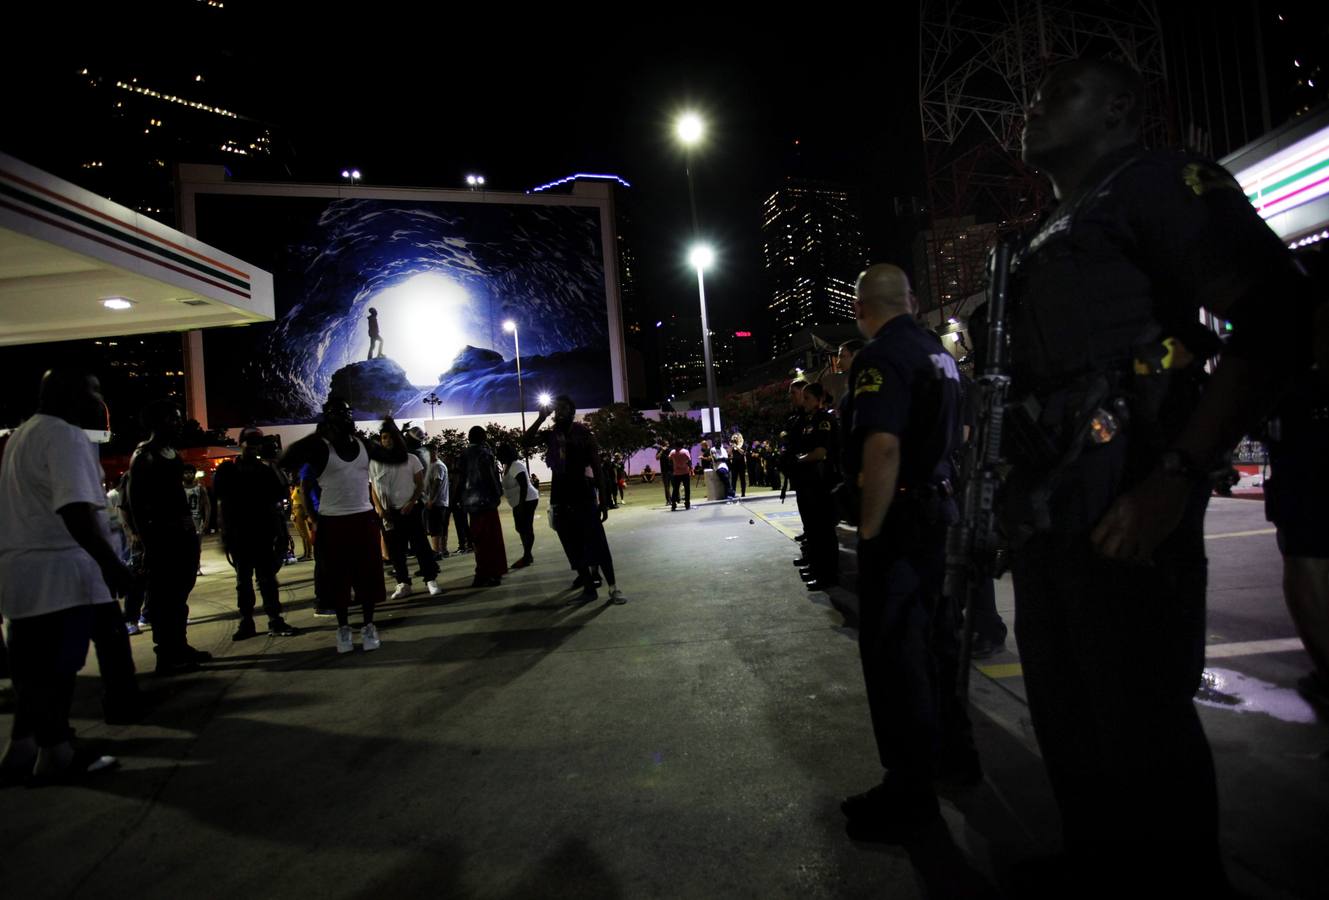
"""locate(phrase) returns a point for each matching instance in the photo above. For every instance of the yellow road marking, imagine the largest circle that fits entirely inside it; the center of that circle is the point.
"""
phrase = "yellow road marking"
(1213, 651)
(1214, 537)
(777, 521)
(1002, 670)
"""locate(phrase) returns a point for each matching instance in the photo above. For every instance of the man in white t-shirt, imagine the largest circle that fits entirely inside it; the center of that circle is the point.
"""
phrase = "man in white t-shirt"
(57, 566)
(397, 490)
(437, 501)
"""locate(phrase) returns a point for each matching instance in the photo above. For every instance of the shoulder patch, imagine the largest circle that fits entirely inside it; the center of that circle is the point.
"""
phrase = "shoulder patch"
(868, 382)
(1204, 177)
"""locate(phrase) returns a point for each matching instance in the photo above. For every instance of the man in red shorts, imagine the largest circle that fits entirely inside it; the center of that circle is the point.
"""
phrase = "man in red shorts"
(346, 553)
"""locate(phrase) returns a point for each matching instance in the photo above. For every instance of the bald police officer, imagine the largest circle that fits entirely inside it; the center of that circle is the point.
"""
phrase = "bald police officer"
(903, 417)
(1111, 439)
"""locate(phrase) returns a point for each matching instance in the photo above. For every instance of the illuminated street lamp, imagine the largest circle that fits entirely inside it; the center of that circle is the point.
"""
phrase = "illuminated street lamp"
(689, 129)
(476, 182)
(351, 175)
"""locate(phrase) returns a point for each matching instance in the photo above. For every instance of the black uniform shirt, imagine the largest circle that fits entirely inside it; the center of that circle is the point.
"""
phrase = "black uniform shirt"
(905, 383)
(791, 440)
(1149, 239)
(821, 431)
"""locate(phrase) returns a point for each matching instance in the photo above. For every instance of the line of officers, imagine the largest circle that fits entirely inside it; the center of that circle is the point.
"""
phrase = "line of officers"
(1104, 525)
(889, 444)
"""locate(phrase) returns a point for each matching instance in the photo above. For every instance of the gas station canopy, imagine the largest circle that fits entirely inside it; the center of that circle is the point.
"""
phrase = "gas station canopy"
(1285, 174)
(75, 265)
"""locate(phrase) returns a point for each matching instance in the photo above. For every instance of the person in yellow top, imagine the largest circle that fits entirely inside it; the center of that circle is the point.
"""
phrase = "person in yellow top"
(301, 520)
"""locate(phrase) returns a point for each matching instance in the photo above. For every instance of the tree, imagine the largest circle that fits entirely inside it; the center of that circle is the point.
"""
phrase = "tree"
(193, 435)
(759, 414)
(678, 429)
(618, 428)
(500, 435)
(449, 443)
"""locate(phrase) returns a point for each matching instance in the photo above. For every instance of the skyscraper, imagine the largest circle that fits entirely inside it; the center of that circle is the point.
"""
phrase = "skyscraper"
(682, 367)
(813, 245)
(950, 263)
(117, 122)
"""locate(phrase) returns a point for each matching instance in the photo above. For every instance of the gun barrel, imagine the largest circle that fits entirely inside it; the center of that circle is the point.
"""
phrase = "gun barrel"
(995, 362)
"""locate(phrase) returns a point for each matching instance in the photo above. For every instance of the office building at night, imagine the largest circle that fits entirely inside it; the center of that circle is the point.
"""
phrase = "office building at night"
(813, 248)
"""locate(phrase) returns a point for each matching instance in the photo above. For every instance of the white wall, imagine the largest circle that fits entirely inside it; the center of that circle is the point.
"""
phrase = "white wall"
(292, 433)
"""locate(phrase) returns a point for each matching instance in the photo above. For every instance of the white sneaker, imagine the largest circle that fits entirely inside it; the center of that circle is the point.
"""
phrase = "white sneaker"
(344, 642)
(403, 590)
(132, 628)
(434, 589)
(369, 637)
(616, 597)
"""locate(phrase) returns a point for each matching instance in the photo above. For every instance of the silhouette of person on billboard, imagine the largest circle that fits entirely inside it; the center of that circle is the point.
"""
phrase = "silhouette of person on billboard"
(375, 339)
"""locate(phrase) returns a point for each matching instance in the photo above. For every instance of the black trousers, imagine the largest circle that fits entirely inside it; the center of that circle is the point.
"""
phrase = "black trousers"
(822, 548)
(584, 541)
(686, 482)
(909, 643)
(667, 479)
(170, 561)
(523, 516)
(134, 600)
(570, 536)
(257, 559)
(463, 526)
(115, 659)
(408, 533)
(439, 526)
(45, 655)
(987, 621)
(740, 475)
(1113, 655)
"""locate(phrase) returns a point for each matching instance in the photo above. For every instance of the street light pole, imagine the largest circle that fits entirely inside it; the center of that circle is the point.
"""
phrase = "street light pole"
(521, 393)
(711, 395)
(689, 129)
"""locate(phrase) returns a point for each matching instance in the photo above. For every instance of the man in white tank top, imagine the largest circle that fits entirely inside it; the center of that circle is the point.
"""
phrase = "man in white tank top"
(346, 553)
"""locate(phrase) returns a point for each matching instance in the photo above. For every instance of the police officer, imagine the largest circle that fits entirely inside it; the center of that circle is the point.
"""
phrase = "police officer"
(1111, 444)
(816, 463)
(903, 414)
(790, 437)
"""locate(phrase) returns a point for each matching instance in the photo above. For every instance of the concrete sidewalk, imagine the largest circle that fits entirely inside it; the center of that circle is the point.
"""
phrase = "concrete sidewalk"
(695, 742)
(1271, 749)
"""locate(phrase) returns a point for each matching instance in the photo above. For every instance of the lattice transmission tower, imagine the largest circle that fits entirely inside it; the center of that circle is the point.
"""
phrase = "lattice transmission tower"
(980, 62)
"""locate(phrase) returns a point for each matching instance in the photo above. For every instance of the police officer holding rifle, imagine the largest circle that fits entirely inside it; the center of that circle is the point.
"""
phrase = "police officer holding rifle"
(1109, 433)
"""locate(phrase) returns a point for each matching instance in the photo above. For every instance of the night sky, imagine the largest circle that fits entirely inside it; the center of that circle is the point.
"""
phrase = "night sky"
(421, 98)
(421, 95)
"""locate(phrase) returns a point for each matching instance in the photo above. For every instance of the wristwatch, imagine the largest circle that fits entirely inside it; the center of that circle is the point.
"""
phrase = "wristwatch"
(1177, 463)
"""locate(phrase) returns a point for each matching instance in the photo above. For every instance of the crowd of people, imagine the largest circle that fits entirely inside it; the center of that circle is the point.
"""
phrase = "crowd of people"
(69, 548)
(736, 463)
(1103, 523)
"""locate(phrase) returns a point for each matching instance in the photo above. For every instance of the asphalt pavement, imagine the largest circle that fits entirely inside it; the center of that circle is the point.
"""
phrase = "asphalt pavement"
(694, 742)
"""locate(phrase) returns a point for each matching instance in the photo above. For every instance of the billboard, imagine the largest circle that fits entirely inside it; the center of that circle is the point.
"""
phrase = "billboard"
(396, 301)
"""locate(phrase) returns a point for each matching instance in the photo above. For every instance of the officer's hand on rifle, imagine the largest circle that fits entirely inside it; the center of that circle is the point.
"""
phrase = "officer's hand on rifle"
(1142, 518)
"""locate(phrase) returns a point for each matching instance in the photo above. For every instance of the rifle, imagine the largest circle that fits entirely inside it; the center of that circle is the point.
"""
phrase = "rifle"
(971, 543)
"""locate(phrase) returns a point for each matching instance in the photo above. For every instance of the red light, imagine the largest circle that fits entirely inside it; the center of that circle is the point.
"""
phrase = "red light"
(742, 334)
